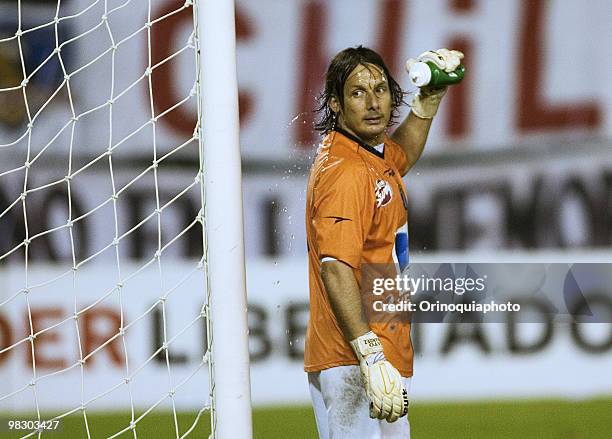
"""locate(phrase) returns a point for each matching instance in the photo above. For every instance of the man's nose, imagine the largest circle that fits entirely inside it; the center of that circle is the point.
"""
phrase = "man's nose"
(372, 101)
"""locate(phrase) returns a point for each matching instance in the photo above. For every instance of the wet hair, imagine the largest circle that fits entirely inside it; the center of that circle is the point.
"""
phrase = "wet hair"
(338, 72)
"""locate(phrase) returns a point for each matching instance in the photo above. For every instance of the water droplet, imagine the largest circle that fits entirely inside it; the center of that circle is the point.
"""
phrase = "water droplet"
(296, 118)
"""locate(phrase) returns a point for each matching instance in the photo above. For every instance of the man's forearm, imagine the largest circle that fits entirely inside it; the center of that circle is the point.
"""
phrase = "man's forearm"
(345, 298)
(411, 135)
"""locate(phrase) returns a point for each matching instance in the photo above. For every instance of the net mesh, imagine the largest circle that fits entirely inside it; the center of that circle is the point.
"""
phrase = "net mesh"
(102, 212)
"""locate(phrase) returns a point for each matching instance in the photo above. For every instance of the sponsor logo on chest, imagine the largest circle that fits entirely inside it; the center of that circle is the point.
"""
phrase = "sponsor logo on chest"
(383, 193)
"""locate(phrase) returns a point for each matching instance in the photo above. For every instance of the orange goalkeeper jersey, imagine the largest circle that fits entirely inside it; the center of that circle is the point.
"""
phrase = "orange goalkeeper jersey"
(355, 213)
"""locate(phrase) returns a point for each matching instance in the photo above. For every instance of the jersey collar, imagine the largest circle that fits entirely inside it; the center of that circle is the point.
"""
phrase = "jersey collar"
(361, 143)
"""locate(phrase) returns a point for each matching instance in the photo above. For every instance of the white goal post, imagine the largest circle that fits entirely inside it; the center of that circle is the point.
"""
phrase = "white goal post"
(224, 219)
(122, 267)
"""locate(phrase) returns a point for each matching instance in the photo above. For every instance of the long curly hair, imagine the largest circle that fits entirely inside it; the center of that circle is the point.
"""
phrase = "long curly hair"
(338, 72)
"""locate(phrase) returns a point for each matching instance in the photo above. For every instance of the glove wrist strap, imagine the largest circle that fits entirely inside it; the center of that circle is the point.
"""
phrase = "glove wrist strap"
(368, 345)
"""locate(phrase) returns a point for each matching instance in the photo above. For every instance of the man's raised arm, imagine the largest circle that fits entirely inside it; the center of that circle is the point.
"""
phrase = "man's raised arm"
(412, 133)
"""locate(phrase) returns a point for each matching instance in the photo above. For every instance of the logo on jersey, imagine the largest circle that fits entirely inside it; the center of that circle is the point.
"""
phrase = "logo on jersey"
(383, 193)
(338, 219)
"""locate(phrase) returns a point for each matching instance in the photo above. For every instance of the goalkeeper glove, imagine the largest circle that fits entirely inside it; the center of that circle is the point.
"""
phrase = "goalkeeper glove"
(426, 102)
(383, 383)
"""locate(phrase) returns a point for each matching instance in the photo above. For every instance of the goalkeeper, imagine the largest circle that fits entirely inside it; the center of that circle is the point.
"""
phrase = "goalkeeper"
(359, 371)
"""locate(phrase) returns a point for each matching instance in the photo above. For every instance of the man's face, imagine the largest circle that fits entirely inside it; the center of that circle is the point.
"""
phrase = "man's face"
(367, 104)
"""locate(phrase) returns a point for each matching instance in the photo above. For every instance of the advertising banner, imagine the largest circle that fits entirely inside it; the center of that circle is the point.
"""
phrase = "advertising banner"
(455, 358)
(528, 81)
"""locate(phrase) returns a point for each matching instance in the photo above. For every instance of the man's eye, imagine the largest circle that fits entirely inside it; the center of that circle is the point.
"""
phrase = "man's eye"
(381, 89)
(357, 93)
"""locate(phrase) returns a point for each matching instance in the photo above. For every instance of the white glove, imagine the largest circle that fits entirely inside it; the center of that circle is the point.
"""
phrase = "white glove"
(426, 102)
(383, 383)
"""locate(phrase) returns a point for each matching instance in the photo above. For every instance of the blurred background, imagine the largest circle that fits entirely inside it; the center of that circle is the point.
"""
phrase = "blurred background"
(518, 167)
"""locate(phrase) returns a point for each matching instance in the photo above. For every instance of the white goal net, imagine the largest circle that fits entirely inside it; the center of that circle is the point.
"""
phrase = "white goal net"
(104, 301)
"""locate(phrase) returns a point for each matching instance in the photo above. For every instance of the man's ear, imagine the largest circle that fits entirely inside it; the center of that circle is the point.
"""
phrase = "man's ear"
(334, 104)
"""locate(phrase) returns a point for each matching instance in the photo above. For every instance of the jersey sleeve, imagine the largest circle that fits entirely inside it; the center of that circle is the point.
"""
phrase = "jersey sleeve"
(395, 153)
(343, 211)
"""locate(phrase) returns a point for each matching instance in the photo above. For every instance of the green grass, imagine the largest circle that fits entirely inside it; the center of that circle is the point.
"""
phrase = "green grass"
(517, 419)
(522, 419)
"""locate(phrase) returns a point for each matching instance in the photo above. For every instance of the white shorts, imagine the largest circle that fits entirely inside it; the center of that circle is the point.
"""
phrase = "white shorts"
(341, 407)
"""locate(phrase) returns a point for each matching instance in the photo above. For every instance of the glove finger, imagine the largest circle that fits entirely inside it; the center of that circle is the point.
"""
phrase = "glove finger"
(399, 397)
(452, 64)
(451, 59)
(444, 53)
(459, 54)
(395, 411)
(375, 411)
(434, 57)
(385, 409)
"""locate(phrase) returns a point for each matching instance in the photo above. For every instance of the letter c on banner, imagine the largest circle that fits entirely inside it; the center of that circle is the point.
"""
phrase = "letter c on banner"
(163, 78)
